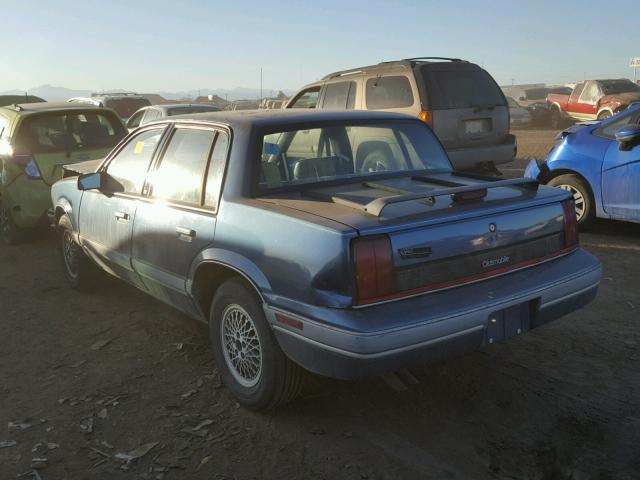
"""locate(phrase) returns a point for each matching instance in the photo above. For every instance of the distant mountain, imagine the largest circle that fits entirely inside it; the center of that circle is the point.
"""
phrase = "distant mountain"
(52, 93)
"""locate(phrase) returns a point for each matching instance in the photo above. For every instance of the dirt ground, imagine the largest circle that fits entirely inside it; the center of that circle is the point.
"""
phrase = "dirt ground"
(85, 377)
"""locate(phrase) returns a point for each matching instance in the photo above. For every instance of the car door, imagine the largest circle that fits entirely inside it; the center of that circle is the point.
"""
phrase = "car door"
(106, 215)
(177, 219)
(621, 173)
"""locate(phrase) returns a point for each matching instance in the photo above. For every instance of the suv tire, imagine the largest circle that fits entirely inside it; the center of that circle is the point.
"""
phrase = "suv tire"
(248, 357)
(582, 195)
(556, 118)
(11, 234)
(79, 270)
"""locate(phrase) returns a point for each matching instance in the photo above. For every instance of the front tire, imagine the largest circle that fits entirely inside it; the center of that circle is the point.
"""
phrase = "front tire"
(249, 359)
(604, 115)
(79, 270)
(581, 193)
(10, 233)
(556, 118)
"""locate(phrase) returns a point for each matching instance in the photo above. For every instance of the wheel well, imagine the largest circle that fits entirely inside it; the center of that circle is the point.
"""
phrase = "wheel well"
(59, 212)
(209, 276)
(556, 173)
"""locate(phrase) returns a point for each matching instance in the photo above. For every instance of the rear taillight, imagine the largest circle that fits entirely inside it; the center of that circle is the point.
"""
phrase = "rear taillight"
(374, 268)
(570, 224)
(427, 117)
(28, 163)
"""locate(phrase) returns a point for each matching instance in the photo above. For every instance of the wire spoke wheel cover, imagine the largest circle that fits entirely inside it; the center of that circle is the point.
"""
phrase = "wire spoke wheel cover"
(578, 199)
(241, 345)
(70, 253)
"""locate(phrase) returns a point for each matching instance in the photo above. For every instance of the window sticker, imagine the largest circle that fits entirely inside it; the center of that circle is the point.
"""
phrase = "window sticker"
(139, 146)
(271, 149)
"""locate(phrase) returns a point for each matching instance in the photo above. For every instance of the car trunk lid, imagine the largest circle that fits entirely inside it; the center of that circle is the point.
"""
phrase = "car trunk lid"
(440, 230)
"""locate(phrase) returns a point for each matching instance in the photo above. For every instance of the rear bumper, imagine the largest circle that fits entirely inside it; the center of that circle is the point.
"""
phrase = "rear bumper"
(28, 200)
(353, 343)
(465, 158)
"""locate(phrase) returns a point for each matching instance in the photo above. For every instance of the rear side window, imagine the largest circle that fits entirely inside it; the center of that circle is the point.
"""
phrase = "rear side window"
(70, 132)
(306, 99)
(215, 173)
(181, 171)
(461, 89)
(388, 92)
(129, 167)
(340, 96)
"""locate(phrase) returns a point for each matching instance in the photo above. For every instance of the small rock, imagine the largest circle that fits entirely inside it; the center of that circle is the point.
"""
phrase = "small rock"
(61, 401)
(347, 434)
(38, 463)
(136, 453)
(202, 424)
(102, 413)
(100, 344)
(17, 426)
(86, 425)
(188, 394)
(8, 443)
(52, 446)
(106, 444)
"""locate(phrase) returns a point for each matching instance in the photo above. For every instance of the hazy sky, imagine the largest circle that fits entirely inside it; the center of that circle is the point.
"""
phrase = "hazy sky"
(168, 46)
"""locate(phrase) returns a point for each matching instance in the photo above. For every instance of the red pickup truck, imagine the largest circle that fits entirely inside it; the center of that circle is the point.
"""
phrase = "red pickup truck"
(593, 100)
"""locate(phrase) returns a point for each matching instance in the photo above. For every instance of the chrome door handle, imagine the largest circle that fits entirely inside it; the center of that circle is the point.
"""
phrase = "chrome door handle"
(187, 232)
(121, 216)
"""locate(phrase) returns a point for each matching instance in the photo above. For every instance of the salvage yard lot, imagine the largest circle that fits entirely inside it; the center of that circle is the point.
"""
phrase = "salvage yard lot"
(94, 375)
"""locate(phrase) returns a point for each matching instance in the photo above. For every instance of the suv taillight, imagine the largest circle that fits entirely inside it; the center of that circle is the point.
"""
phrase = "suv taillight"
(570, 224)
(374, 268)
(427, 117)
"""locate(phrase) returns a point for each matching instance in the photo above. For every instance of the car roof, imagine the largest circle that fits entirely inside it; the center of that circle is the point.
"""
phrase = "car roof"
(275, 118)
(50, 106)
(171, 106)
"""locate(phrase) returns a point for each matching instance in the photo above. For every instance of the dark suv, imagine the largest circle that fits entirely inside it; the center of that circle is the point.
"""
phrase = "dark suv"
(459, 100)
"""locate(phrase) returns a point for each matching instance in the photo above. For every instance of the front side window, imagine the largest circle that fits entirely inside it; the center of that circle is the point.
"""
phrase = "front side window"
(179, 176)
(388, 92)
(306, 99)
(127, 170)
(350, 151)
(340, 96)
(150, 115)
(134, 121)
(591, 94)
(70, 132)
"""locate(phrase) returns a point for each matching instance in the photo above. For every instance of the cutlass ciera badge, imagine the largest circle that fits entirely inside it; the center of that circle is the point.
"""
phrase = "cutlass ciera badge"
(492, 262)
(415, 252)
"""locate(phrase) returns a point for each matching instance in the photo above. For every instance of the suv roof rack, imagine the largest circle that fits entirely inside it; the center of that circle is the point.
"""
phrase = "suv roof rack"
(115, 94)
(404, 61)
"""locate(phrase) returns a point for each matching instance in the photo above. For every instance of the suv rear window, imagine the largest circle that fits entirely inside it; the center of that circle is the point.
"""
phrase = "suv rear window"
(461, 89)
(68, 132)
(388, 92)
(125, 107)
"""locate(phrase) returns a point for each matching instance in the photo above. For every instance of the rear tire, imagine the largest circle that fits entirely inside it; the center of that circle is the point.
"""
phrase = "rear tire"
(249, 359)
(10, 233)
(582, 196)
(79, 270)
(556, 118)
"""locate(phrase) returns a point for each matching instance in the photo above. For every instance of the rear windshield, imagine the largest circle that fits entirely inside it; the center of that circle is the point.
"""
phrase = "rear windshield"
(302, 157)
(461, 88)
(68, 132)
(125, 107)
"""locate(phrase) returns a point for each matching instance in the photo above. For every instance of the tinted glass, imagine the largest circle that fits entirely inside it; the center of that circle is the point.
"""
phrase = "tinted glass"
(339, 96)
(308, 99)
(388, 92)
(125, 107)
(609, 131)
(611, 87)
(129, 167)
(70, 132)
(215, 173)
(346, 151)
(179, 176)
(134, 121)
(150, 115)
(462, 89)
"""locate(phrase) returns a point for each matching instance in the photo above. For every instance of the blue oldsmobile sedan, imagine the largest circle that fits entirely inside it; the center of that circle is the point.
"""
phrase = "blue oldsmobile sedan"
(341, 243)
(599, 164)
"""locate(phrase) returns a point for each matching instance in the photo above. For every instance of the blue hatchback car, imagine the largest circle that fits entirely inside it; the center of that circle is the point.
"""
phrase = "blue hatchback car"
(600, 165)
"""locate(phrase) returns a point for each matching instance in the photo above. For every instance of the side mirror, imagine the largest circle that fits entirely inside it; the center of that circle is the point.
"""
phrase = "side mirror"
(91, 181)
(628, 136)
